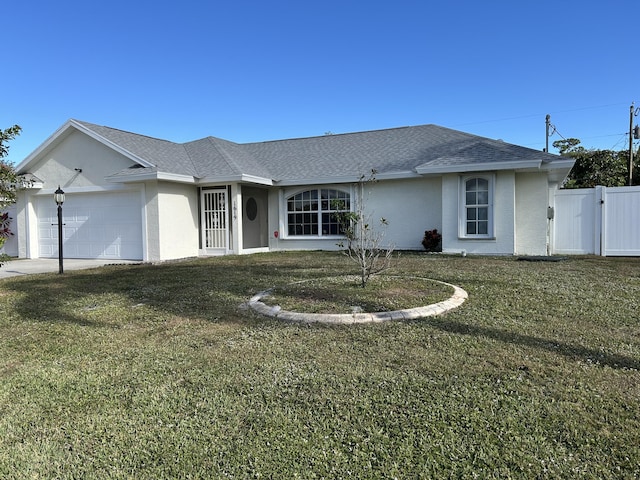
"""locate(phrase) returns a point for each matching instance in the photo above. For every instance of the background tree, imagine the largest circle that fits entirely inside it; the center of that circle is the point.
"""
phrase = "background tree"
(607, 168)
(8, 185)
(8, 179)
(568, 146)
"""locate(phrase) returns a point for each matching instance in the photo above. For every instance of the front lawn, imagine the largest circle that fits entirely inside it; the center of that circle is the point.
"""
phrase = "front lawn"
(153, 372)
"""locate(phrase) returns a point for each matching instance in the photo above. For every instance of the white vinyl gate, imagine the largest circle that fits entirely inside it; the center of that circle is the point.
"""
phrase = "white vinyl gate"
(601, 221)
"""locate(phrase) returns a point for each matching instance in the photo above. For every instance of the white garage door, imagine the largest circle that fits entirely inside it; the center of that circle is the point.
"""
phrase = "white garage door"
(95, 225)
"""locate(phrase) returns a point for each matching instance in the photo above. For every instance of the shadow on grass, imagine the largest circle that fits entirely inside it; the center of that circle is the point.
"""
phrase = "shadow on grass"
(206, 290)
(575, 352)
(213, 290)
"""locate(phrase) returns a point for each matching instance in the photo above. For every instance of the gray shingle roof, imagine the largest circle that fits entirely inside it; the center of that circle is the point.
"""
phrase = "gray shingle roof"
(215, 157)
(165, 155)
(391, 151)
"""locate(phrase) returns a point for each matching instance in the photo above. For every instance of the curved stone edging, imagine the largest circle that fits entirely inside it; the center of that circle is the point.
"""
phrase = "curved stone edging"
(457, 299)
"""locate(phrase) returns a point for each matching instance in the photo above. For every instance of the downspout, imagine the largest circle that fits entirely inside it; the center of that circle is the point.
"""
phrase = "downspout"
(550, 214)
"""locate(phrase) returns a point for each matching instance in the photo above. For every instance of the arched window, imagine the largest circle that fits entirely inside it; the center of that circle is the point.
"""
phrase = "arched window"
(477, 207)
(312, 212)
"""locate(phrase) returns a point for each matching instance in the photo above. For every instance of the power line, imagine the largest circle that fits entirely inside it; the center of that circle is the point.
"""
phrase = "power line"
(532, 115)
(623, 138)
(552, 129)
(590, 107)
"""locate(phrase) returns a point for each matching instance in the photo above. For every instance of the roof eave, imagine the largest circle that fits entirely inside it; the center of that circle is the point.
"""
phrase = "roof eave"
(62, 132)
(318, 180)
(146, 176)
(558, 170)
(479, 167)
(561, 164)
(396, 175)
(238, 178)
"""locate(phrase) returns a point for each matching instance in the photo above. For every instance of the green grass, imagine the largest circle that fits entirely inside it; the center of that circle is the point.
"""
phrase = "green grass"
(159, 372)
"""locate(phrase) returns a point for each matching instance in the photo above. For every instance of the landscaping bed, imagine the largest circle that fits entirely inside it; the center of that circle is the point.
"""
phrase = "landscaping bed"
(344, 294)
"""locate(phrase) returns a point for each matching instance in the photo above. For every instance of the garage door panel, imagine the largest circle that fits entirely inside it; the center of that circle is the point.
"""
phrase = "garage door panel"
(80, 215)
(99, 225)
(48, 251)
(46, 233)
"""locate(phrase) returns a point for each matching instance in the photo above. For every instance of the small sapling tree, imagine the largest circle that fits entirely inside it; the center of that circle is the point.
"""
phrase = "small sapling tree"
(363, 241)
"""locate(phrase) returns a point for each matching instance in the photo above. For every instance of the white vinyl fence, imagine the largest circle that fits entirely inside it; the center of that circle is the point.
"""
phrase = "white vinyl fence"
(602, 221)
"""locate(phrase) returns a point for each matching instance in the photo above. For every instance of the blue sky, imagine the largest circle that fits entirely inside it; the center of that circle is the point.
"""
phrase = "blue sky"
(251, 71)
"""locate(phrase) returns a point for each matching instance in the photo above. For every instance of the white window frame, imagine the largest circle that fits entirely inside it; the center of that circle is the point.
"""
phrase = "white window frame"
(463, 207)
(285, 210)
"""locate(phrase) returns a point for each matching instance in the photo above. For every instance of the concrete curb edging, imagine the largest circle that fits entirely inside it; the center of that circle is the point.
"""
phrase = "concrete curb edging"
(457, 299)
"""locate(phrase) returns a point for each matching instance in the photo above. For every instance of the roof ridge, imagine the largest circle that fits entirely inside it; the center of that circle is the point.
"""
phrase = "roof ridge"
(196, 170)
(227, 158)
(329, 135)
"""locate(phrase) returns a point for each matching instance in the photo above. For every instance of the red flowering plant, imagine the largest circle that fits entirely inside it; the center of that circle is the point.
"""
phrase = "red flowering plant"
(432, 241)
(5, 232)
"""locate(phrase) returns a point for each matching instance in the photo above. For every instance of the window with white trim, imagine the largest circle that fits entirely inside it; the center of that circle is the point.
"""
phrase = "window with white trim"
(312, 212)
(477, 207)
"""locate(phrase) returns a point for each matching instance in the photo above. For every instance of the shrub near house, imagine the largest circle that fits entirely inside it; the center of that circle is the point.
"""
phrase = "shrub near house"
(5, 233)
(432, 241)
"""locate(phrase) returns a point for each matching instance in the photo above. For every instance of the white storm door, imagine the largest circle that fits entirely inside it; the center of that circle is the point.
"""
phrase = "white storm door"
(215, 228)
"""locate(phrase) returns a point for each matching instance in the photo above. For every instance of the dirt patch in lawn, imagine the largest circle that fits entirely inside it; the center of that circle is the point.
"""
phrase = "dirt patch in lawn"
(344, 294)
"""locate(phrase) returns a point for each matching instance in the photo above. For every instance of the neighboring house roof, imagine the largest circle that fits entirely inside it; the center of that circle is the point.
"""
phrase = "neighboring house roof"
(393, 153)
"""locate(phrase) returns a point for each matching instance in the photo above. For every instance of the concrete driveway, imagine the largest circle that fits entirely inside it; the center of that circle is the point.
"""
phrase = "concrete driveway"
(28, 266)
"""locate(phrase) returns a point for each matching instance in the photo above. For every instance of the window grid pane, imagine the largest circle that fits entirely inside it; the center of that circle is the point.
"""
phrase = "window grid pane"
(320, 207)
(477, 206)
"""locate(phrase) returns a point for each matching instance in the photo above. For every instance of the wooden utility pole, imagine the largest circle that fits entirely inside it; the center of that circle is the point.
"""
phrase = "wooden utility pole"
(547, 122)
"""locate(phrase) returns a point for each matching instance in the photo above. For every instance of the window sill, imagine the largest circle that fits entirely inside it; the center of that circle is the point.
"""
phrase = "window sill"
(312, 237)
(477, 238)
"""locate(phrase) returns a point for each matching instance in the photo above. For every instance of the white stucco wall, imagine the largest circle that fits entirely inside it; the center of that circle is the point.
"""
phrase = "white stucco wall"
(78, 150)
(152, 222)
(177, 220)
(531, 213)
(503, 211)
(410, 206)
(27, 234)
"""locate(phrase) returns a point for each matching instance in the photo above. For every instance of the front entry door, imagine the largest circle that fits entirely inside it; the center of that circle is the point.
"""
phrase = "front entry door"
(215, 221)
